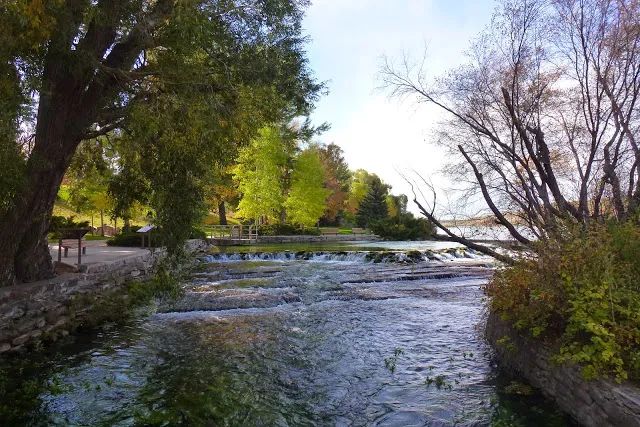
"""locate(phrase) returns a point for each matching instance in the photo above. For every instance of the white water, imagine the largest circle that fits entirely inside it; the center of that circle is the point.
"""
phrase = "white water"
(397, 256)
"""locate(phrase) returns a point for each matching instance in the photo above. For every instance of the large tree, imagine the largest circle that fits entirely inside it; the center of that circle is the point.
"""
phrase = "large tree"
(74, 70)
(307, 196)
(337, 180)
(543, 119)
(358, 188)
(258, 176)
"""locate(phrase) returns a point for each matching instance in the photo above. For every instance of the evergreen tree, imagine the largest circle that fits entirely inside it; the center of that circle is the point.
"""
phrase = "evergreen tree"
(374, 204)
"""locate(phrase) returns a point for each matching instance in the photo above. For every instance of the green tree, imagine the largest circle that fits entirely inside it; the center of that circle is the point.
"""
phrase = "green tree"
(98, 67)
(337, 181)
(307, 197)
(374, 204)
(259, 176)
(88, 178)
(397, 206)
(358, 189)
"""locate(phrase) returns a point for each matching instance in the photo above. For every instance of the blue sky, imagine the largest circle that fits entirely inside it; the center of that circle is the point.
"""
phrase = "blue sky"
(348, 39)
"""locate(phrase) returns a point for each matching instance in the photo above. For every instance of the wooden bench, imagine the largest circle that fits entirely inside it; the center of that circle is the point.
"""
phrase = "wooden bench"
(329, 231)
(359, 231)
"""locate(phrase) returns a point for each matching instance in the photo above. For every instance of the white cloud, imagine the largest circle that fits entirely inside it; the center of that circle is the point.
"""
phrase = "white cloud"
(376, 133)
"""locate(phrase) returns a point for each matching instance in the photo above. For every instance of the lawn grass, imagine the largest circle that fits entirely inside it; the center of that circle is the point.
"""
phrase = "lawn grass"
(95, 237)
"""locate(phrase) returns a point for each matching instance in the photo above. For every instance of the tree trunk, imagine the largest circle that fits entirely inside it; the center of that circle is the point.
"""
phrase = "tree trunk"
(222, 213)
(23, 233)
(69, 99)
(102, 222)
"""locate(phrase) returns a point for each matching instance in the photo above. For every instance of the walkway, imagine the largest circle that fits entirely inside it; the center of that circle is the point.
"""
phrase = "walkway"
(97, 253)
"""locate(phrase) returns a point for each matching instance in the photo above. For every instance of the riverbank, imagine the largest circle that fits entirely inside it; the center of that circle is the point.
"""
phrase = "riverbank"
(596, 403)
(49, 309)
(335, 339)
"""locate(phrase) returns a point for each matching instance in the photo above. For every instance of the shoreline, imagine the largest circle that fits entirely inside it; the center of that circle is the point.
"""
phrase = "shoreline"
(596, 403)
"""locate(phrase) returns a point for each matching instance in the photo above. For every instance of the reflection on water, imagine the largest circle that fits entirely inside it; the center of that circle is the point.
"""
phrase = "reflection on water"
(288, 343)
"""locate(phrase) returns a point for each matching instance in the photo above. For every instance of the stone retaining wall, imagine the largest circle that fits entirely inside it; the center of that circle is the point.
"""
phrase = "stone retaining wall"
(595, 403)
(45, 310)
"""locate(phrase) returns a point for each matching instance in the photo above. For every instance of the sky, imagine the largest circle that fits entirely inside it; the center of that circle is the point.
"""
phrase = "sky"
(348, 39)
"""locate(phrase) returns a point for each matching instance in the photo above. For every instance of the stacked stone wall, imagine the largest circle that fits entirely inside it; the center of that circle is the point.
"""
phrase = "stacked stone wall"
(46, 310)
(596, 403)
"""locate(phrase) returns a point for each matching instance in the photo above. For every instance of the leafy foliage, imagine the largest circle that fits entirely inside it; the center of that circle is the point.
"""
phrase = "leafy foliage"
(406, 227)
(337, 178)
(158, 238)
(176, 87)
(582, 289)
(397, 206)
(259, 175)
(358, 189)
(307, 196)
(287, 230)
(59, 222)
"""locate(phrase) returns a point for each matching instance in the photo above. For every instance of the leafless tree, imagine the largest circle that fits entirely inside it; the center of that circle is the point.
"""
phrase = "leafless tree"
(544, 116)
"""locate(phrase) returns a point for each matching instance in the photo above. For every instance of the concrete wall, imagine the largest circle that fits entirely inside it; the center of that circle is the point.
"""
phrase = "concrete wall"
(48, 309)
(592, 403)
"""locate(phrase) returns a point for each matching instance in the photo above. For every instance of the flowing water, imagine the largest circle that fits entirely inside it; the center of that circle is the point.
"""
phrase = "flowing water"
(341, 338)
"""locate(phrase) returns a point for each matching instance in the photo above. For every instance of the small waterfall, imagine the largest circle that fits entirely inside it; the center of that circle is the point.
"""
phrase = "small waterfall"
(396, 257)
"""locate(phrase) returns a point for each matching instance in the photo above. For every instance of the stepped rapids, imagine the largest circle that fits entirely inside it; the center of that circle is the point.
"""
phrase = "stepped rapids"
(347, 338)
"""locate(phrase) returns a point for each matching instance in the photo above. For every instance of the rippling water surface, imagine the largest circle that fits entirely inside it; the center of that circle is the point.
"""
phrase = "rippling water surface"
(288, 341)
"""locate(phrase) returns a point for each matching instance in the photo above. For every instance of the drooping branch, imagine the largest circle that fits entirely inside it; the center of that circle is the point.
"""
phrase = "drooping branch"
(429, 214)
(488, 199)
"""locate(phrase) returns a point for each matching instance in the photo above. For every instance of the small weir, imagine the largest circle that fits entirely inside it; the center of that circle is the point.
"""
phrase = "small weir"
(347, 338)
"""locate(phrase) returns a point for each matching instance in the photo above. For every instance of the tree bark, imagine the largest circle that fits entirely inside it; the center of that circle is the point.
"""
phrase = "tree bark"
(23, 235)
(222, 213)
(463, 241)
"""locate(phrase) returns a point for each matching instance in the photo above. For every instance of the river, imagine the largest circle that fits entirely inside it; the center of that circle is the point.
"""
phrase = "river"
(330, 337)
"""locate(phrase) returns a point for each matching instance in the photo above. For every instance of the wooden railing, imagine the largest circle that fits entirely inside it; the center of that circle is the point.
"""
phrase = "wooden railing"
(239, 232)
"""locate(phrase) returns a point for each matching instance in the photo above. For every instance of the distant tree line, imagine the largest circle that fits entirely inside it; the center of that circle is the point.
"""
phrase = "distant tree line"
(281, 178)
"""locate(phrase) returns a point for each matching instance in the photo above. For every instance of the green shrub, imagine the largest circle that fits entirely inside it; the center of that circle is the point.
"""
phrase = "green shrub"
(584, 292)
(59, 222)
(133, 239)
(197, 233)
(130, 239)
(405, 228)
(287, 230)
(163, 284)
